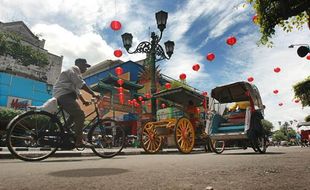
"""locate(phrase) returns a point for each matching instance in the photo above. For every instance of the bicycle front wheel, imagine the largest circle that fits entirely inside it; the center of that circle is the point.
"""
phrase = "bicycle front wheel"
(33, 135)
(108, 138)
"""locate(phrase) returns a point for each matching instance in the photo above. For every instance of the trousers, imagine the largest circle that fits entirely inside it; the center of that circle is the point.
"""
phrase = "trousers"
(70, 105)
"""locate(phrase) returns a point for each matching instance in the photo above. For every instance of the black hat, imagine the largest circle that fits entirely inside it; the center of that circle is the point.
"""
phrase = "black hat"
(81, 61)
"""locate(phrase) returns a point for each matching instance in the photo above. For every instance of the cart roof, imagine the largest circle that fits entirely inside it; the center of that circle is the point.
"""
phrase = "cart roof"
(236, 92)
(300, 124)
(181, 96)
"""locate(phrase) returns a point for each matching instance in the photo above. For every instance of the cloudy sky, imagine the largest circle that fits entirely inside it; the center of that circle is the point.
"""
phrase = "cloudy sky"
(77, 28)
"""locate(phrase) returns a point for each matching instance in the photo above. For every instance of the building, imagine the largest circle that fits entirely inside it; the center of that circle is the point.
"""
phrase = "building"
(26, 84)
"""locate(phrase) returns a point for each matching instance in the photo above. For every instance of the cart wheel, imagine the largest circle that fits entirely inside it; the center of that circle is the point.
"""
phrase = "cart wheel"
(184, 134)
(150, 141)
(261, 144)
(218, 146)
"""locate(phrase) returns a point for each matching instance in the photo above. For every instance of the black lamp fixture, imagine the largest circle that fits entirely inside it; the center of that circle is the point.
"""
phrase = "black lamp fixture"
(153, 49)
(303, 50)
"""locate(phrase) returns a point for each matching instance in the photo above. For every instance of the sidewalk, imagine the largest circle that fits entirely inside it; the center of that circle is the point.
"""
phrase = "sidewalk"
(6, 154)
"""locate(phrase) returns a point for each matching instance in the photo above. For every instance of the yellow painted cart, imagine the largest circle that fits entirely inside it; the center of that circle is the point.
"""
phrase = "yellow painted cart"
(176, 127)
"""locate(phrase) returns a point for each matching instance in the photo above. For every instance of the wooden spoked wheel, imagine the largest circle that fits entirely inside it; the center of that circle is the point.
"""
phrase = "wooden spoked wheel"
(184, 135)
(151, 142)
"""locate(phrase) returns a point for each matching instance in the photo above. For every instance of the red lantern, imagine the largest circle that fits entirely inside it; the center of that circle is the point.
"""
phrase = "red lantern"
(182, 76)
(147, 95)
(198, 110)
(140, 98)
(231, 40)
(210, 56)
(277, 69)
(120, 82)
(255, 19)
(250, 79)
(142, 102)
(281, 104)
(168, 85)
(205, 93)
(308, 57)
(134, 100)
(129, 102)
(149, 105)
(120, 90)
(163, 105)
(118, 71)
(196, 67)
(115, 25)
(296, 101)
(118, 53)
(275, 91)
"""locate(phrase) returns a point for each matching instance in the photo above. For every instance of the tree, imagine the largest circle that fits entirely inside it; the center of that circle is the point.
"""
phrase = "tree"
(302, 91)
(307, 119)
(285, 13)
(279, 136)
(268, 126)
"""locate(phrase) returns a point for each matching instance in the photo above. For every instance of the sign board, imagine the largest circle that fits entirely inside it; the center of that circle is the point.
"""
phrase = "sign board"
(18, 103)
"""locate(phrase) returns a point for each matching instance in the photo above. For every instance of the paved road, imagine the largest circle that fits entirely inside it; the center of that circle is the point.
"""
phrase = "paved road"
(281, 168)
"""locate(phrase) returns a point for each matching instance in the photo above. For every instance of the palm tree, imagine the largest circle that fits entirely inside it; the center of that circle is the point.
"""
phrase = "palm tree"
(302, 91)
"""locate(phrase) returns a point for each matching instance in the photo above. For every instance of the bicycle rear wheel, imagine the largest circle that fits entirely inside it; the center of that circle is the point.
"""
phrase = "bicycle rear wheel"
(33, 135)
(108, 138)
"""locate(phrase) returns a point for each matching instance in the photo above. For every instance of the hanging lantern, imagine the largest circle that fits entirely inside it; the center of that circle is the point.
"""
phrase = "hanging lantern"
(115, 25)
(120, 90)
(163, 105)
(210, 56)
(275, 91)
(205, 93)
(118, 53)
(296, 100)
(121, 98)
(168, 85)
(134, 100)
(118, 71)
(140, 98)
(231, 40)
(281, 104)
(196, 67)
(308, 57)
(277, 69)
(250, 79)
(182, 76)
(255, 19)
(147, 95)
(120, 82)
(129, 102)
(198, 110)
(142, 102)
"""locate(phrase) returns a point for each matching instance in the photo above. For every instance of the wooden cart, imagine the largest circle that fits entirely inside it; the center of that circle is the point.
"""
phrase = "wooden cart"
(178, 125)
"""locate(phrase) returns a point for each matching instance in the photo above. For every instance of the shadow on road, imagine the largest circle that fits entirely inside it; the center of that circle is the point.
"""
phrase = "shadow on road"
(88, 172)
(252, 153)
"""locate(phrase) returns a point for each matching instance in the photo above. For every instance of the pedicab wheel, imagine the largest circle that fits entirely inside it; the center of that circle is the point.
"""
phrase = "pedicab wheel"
(150, 141)
(184, 134)
(218, 146)
(261, 144)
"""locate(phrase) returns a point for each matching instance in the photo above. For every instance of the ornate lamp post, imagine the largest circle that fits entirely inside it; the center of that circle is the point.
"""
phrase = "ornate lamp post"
(303, 49)
(155, 51)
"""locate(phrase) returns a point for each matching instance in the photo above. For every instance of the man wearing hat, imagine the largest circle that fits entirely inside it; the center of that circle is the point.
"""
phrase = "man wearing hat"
(67, 90)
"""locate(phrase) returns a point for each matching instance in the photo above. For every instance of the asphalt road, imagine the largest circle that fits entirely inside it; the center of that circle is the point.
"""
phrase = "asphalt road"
(281, 168)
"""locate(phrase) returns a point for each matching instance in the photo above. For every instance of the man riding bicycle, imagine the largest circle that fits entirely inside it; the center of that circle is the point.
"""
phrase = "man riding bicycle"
(67, 90)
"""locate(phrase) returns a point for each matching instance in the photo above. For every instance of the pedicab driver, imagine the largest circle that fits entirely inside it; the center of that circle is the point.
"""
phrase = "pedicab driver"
(67, 90)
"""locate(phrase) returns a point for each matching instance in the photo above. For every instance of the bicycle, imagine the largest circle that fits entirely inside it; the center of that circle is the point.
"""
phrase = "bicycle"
(35, 135)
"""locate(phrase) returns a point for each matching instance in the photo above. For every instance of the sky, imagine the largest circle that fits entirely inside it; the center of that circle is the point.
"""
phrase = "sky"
(77, 28)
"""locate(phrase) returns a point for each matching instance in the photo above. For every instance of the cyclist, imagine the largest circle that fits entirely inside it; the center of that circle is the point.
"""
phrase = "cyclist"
(67, 90)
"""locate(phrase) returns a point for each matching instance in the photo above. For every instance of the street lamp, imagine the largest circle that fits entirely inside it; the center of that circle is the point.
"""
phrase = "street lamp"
(155, 51)
(303, 50)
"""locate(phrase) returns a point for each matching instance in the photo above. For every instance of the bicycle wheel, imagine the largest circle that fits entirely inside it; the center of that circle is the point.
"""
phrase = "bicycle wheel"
(108, 138)
(218, 146)
(33, 135)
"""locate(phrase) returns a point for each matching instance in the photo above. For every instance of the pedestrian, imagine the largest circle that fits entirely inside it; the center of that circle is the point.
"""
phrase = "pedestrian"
(67, 90)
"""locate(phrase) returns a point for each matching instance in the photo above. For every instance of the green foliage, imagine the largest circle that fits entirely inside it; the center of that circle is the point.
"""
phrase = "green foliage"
(10, 44)
(6, 115)
(307, 119)
(268, 126)
(286, 14)
(302, 91)
(279, 136)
